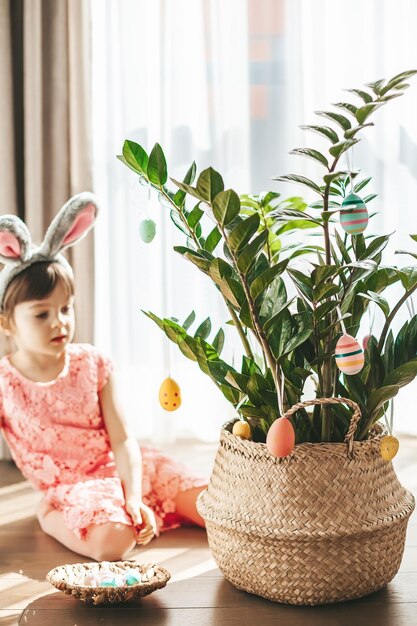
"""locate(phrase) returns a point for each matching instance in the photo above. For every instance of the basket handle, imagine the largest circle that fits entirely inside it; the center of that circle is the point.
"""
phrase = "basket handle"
(353, 421)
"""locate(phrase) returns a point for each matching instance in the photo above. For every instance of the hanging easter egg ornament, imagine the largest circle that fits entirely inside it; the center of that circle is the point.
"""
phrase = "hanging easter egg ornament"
(389, 447)
(349, 355)
(353, 215)
(280, 439)
(169, 395)
(147, 230)
(241, 429)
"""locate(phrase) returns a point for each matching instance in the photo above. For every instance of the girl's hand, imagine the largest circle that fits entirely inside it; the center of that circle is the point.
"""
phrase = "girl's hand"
(144, 520)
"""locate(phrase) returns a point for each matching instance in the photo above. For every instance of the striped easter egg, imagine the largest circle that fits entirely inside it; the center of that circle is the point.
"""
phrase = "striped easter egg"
(353, 215)
(349, 355)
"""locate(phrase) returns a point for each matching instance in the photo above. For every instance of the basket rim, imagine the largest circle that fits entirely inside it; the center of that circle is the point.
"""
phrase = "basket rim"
(50, 576)
(377, 432)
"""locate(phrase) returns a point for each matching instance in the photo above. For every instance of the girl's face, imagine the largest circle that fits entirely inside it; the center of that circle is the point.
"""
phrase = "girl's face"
(44, 326)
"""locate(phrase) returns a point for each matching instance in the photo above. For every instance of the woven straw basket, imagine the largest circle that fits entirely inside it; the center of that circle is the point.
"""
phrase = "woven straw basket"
(68, 578)
(324, 525)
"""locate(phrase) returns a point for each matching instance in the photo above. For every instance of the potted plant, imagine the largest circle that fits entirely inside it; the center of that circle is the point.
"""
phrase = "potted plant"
(325, 520)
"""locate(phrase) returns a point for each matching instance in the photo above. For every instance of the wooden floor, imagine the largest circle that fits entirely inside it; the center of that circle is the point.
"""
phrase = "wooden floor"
(197, 593)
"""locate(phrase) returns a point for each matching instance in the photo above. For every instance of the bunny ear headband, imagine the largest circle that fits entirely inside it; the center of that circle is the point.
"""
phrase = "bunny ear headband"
(17, 252)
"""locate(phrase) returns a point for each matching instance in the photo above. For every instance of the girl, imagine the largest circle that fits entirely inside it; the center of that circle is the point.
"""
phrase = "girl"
(58, 411)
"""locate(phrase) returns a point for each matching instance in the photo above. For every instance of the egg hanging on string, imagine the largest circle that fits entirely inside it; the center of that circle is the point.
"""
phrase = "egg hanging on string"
(147, 230)
(170, 395)
(280, 439)
(353, 215)
(349, 355)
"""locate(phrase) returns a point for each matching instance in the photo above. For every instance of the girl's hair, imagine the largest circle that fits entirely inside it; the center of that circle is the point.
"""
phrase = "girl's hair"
(36, 283)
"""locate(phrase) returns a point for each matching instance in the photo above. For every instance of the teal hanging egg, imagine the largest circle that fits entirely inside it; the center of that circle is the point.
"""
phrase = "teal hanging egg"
(353, 215)
(147, 230)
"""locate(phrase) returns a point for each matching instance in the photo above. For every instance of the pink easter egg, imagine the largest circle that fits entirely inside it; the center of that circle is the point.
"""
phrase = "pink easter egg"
(280, 439)
(349, 355)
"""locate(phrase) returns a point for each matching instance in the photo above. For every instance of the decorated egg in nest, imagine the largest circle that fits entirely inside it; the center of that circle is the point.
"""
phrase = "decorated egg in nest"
(147, 230)
(280, 439)
(353, 215)
(349, 355)
(170, 395)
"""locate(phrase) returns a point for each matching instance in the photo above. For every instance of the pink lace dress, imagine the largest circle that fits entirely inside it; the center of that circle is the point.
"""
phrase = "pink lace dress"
(57, 438)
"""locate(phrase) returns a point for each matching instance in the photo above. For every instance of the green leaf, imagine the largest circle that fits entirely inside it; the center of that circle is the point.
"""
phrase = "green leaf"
(349, 134)
(379, 397)
(179, 197)
(328, 178)
(375, 247)
(209, 184)
(397, 80)
(218, 341)
(251, 251)
(346, 106)
(408, 276)
(325, 290)
(189, 321)
(241, 233)
(341, 120)
(325, 131)
(342, 247)
(366, 97)
(265, 279)
(194, 217)
(204, 329)
(302, 180)
(212, 240)
(226, 206)
(154, 318)
(136, 157)
(341, 147)
(364, 112)
(184, 345)
(362, 184)
(303, 282)
(187, 189)
(233, 291)
(312, 154)
(195, 257)
(157, 166)
(402, 375)
(175, 218)
(376, 86)
(219, 269)
(378, 299)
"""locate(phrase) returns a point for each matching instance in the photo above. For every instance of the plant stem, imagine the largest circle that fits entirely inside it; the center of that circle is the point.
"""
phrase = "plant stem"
(392, 315)
(326, 426)
(259, 333)
(241, 332)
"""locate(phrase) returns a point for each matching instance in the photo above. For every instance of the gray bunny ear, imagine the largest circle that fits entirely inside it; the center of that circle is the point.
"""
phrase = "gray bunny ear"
(71, 224)
(15, 240)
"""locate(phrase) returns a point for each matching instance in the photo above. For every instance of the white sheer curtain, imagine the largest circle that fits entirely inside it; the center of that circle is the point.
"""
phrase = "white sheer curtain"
(164, 72)
(227, 84)
(332, 45)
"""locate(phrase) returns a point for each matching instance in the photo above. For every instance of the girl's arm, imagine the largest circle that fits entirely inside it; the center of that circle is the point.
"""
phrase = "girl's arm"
(128, 462)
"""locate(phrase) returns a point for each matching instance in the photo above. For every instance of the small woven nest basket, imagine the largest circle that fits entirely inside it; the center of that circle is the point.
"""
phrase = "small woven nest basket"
(69, 578)
(325, 524)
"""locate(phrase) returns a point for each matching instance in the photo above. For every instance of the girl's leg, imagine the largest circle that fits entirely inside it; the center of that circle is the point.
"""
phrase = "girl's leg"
(103, 542)
(186, 505)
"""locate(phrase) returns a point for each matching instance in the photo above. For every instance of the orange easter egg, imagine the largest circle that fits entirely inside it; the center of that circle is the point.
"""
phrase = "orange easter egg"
(280, 439)
(349, 355)
(170, 395)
